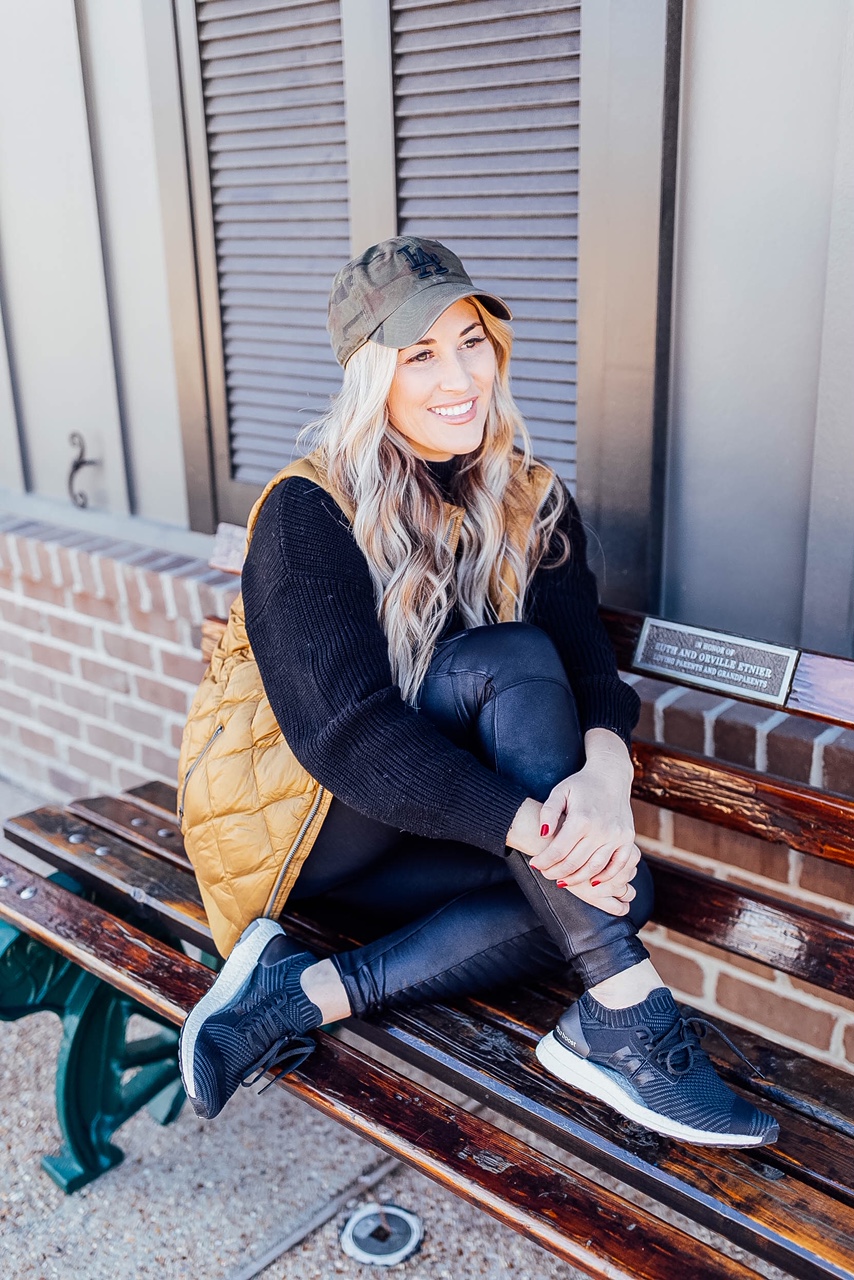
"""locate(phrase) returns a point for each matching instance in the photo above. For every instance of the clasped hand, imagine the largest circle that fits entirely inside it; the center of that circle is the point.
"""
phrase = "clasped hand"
(591, 849)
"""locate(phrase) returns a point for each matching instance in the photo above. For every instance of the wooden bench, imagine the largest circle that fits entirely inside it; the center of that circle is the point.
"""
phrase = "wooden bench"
(106, 937)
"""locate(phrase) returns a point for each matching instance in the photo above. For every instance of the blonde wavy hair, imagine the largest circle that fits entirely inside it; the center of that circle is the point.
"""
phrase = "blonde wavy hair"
(399, 524)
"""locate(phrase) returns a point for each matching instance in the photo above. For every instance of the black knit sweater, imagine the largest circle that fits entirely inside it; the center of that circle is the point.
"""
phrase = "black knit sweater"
(323, 658)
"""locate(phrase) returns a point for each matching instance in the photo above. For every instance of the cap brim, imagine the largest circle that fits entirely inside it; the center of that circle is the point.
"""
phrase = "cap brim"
(414, 317)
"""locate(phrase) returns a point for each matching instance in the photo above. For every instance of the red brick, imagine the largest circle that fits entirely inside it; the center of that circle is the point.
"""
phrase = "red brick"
(138, 721)
(117, 744)
(647, 819)
(22, 615)
(58, 720)
(677, 971)
(83, 699)
(790, 747)
(684, 726)
(44, 590)
(125, 649)
(16, 645)
(829, 879)
(40, 742)
(176, 734)
(186, 592)
(164, 695)
(93, 766)
(48, 655)
(731, 847)
(71, 783)
(818, 993)
(36, 681)
(160, 762)
(776, 1012)
(839, 764)
(71, 631)
(649, 691)
(180, 667)
(104, 609)
(131, 778)
(107, 677)
(848, 1041)
(726, 957)
(735, 733)
(175, 630)
(14, 702)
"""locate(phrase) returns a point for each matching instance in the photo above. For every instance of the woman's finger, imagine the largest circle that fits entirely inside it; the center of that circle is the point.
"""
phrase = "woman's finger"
(623, 864)
(587, 862)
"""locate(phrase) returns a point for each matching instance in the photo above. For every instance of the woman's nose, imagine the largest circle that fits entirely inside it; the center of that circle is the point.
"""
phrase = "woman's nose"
(455, 376)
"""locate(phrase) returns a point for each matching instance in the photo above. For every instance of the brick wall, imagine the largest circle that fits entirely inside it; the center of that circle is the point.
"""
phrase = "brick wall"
(739, 990)
(100, 659)
(99, 656)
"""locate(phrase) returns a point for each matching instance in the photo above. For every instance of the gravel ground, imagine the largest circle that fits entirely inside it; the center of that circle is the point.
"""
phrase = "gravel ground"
(194, 1199)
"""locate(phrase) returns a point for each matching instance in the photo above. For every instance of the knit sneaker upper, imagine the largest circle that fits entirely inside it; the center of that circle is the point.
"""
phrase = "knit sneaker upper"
(266, 1025)
(659, 1061)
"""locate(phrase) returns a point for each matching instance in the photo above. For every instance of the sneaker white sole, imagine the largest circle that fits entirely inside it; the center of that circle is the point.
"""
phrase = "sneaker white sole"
(230, 981)
(575, 1070)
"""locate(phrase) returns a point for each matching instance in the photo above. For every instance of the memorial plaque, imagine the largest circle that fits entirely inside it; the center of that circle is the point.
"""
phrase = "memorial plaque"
(729, 664)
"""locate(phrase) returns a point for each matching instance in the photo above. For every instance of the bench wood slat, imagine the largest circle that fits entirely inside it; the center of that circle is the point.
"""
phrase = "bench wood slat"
(768, 930)
(741, 1196)
(134, 880)
(160, 836)
(756, 804)
(811, 1089)
(822, 1157)
(573, 1217)
(137, 884)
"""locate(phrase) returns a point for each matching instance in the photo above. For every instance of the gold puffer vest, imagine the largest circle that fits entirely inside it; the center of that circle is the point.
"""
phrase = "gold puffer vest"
(249, 811)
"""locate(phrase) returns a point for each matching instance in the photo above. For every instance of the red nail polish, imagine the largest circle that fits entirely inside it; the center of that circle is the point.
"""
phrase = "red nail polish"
(561, 884)
(544, 829)
(595, 882)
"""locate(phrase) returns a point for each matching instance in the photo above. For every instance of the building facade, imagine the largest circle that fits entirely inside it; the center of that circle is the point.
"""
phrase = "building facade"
(667, 206)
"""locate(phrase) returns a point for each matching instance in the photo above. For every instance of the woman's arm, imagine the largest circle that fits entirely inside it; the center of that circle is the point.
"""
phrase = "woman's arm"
(323, 658)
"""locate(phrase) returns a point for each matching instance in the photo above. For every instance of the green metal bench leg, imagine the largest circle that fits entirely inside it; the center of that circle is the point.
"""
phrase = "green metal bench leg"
(93, 1097)
(94, 1092)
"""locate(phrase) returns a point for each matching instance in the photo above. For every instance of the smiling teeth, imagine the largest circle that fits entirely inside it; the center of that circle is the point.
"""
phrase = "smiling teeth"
(457, 411)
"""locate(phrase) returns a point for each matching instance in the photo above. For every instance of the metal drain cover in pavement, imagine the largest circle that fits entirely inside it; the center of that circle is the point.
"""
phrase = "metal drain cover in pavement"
(381, 1235)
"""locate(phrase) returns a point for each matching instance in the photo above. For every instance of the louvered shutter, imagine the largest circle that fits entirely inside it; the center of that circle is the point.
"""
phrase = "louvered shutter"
(274, 105)
(486, 116)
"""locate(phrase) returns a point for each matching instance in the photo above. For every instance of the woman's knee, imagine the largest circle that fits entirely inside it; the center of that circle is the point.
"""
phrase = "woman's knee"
(511, 652)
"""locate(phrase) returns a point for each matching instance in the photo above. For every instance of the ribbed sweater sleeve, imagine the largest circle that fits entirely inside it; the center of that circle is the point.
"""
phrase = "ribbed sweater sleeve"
(564, 602)
(323, 659)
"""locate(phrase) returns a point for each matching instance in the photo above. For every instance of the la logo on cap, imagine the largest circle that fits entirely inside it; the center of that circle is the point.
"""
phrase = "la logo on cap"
(425, 264)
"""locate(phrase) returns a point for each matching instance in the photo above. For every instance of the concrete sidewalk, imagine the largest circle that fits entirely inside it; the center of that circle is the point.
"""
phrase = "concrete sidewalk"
(203, 1200)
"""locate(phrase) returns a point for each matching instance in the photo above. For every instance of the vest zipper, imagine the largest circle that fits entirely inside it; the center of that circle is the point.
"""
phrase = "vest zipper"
(271, 901)
(196, 762)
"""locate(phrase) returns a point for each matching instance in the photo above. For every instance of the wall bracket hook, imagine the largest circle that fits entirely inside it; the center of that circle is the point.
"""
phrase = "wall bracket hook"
(77, 442)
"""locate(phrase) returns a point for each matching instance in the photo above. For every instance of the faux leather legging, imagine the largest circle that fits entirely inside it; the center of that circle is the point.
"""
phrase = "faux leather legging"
(447, 918)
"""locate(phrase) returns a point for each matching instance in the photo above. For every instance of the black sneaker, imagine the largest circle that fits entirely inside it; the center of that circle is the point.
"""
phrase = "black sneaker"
(647, 1063)
(255, 1017)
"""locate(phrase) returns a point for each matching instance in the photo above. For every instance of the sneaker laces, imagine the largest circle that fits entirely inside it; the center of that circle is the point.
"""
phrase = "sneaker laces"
(288, 1052)
(683, 1038)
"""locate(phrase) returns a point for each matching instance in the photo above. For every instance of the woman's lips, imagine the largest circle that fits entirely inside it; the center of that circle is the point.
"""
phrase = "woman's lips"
(468, 416)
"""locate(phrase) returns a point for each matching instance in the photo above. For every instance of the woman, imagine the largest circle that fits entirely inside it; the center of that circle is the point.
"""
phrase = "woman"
(449, 682)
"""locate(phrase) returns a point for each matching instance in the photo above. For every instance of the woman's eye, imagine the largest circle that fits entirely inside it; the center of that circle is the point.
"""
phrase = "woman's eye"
(473, 342)
(420, 357)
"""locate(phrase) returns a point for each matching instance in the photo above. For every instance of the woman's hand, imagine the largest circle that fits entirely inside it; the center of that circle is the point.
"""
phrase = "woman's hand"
(589, 820)
(590, 826)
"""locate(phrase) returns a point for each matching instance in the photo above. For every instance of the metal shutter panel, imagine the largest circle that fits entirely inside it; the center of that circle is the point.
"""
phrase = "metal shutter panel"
(274, 105)
(486, 117)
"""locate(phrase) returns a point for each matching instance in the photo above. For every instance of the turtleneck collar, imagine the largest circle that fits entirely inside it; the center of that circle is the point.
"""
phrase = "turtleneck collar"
(442, 472)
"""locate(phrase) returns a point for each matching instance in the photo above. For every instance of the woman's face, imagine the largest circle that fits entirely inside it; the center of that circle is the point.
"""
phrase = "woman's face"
(443, 386)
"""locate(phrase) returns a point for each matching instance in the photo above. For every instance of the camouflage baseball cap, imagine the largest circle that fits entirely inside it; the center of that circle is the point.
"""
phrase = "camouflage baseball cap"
(395, 291)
